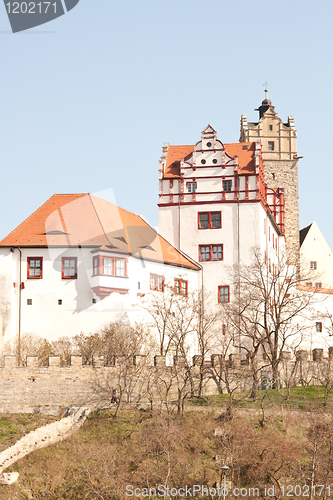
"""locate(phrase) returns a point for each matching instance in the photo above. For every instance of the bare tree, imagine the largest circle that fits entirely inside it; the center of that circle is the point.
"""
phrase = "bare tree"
(185, 325)
(270, 311)
(126, 348)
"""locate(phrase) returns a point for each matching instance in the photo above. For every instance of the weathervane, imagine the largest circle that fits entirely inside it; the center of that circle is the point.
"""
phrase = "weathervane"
(266, 91)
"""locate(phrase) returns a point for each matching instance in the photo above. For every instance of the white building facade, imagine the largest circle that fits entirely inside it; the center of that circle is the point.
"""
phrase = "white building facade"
(79, 263)
(215, 206)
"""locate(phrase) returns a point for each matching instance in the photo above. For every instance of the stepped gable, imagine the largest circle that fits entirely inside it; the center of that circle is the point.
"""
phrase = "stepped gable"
(84, 220)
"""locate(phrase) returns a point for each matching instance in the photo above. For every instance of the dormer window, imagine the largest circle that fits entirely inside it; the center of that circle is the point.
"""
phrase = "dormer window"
(270, 145)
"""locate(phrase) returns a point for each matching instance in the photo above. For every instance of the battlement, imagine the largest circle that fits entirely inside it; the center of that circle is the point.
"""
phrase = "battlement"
(76, 361)
(53, 388)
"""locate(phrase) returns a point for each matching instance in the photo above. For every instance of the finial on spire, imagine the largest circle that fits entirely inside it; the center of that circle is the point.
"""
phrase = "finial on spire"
(266, 103)
(266, 91)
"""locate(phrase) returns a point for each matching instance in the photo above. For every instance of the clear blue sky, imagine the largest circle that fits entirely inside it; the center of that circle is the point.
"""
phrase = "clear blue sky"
(88, 100)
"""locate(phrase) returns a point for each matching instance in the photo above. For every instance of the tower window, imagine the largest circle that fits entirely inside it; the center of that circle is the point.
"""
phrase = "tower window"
(209, 220)
(209, 144)
(270, 145)
(191, 187)
(227, 185)
(210, 252)
(59, 302)
(271, 128)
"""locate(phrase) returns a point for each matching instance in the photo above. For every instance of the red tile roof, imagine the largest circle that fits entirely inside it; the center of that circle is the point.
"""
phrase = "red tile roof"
(175, 153)
(245, 158)
(88, 221)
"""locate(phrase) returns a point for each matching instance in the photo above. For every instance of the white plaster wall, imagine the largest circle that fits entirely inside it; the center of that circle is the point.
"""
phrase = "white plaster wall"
(315, 248)
(168, 224)
(77, 313)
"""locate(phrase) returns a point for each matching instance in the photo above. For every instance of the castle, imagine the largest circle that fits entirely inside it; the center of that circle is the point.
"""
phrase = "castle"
(79, 262)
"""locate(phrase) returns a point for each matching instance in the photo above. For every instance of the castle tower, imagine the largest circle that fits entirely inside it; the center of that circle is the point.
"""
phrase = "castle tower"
(215, 206)
(279, 153)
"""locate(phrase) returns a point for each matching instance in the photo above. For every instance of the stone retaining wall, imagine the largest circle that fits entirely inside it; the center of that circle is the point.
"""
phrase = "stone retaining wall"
(53, 389)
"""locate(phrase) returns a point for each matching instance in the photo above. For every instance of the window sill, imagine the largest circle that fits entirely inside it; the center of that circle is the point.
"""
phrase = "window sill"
(108, 276)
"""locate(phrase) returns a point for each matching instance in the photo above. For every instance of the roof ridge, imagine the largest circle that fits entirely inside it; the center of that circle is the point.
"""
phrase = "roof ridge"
(68, 194)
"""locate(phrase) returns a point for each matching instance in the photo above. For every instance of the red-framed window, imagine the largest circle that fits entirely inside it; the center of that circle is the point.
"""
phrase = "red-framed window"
(157, 282)
(308, 283)
(318, 285)
(181, 287)
(69, 268)
(227, 185)
(210, 252)
(35, 268)
(209, 220)
(109, 266)
(319, 326)
(224, 294)
(191, 187)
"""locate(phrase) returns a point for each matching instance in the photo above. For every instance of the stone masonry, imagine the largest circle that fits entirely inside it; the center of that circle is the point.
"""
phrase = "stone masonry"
(284, 174)
(55, 389)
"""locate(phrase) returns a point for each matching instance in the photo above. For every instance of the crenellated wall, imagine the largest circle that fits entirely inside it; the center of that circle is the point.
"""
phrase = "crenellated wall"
(52, 389)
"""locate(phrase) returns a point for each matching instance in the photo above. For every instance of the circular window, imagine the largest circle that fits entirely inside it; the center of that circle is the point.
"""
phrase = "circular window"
(209, 144)
(203, 161)
(215, 161)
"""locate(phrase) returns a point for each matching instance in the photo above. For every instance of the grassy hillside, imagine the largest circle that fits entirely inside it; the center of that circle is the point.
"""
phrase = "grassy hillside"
(140, 449)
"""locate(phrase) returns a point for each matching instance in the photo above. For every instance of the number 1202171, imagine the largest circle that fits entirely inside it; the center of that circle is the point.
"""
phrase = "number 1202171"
(31, 7)
(317, 490)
